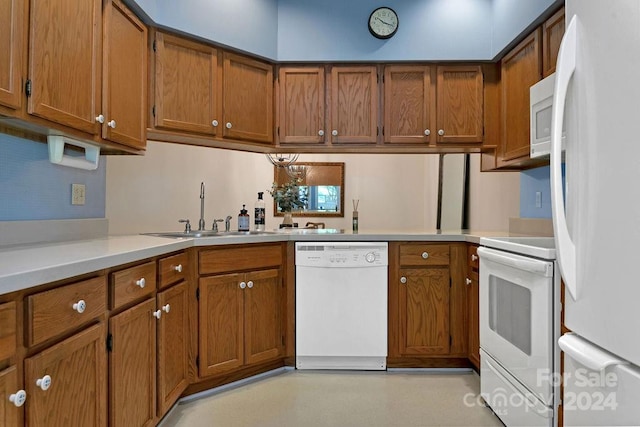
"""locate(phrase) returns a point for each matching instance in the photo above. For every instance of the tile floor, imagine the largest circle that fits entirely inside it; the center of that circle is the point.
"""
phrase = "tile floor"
(342, 399)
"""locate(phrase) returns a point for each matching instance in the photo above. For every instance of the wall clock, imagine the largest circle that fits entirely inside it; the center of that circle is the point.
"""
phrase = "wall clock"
(383, 22)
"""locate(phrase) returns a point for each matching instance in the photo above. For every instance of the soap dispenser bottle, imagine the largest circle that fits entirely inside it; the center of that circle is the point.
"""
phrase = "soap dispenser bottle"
(243, 220)
(259, 213)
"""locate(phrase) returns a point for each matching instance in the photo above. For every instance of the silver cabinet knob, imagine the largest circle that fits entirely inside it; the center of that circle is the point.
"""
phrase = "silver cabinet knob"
(178, 268)
(474, 257)
(112, 124)
(214, 123)
(44, 383)
(141, 282)
(18, 398)
(425, 255)
(166, 308)
(80, 306)
(229, 125)
(441, 132)
(249, 284)
(427, 132)
(243, 285)
(334, 132)
(403, 280)
(100, 119)
(321, 132)
(467, 281)
(157, 314)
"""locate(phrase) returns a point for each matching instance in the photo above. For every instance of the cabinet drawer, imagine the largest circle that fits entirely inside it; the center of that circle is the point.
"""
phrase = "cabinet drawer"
(419, 254)
(172, 269)
(241, 258)
(132, 284)
(7, 330)
(53, 312)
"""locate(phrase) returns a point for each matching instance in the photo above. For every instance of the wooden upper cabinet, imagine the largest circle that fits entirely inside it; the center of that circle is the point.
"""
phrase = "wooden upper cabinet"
(12, 27)
(301, 101)
(124, 77)
(459, 106)
(247, 99)
(409, 103)
(552, 32)
(186, 88)
(77, 371)
(132, 366)
(65, 52)
(521, 68)
(354, 104)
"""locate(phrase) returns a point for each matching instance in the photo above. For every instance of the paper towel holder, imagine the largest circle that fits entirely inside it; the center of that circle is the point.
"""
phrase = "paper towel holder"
(56, 145)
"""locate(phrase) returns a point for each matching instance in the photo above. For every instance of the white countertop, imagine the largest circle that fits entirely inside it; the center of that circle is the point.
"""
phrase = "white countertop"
(26, 266)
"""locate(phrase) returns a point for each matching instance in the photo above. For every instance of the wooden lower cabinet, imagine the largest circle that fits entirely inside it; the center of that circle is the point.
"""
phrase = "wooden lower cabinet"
(66, 384)
(473, 305)
(172, 345)
(132, 366)
(424, 311)
(240, 321)
(9, 413)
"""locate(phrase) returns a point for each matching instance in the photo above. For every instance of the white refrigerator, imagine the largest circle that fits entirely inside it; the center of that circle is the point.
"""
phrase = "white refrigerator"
(596, 212)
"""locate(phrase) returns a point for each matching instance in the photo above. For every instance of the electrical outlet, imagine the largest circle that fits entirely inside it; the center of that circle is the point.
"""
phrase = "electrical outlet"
(538, 199)
(77, 194)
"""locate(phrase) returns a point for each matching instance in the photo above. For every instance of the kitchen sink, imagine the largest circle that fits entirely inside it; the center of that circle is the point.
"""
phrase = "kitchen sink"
(208, 233)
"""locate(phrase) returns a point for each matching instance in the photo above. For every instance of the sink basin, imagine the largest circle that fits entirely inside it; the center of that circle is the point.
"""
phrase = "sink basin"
(207, 233)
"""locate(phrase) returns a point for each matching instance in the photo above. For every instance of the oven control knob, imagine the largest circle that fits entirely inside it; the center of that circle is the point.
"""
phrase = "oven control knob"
(370, 257)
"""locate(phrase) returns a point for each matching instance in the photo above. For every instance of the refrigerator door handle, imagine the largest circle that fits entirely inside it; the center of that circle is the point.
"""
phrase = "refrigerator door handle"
(587, 354)
(566, 249)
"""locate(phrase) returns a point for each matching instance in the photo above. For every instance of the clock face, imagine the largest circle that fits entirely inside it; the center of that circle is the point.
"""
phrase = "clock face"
(383, 23)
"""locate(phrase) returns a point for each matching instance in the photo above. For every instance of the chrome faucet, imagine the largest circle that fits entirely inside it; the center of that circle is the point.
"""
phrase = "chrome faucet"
(201, 222)
(214, 227)
(227, 223)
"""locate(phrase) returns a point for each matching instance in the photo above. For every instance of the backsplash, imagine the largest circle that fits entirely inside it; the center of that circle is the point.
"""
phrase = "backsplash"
(32, 188)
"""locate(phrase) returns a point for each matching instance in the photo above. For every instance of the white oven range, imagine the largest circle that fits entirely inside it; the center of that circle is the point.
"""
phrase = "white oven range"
(519, 329)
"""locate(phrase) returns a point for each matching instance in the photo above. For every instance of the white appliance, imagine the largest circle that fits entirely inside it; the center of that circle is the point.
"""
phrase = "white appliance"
(519, 326)
(341, 305)
(540, 105)
(597, 227)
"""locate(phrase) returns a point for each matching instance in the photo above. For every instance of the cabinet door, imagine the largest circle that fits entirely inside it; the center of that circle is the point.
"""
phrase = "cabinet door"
(247, 100)
(408, 103)
(77, 394)
(552, 32)
(221, 323)
(173, 331)
(262, 328)
(9, 413)
(521, 68)
(65, 61)
(132, 366)
(11, 50)
(424, 311)
(124, 77)
(354, 104)
(302, 105)
(186, 75)
(459, 106)
(473, 302)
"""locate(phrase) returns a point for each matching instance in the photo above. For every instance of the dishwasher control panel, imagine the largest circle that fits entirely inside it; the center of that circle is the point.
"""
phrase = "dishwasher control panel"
(342, 254)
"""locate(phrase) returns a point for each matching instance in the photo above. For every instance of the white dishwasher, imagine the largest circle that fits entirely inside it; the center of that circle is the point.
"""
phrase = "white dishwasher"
(341, 305)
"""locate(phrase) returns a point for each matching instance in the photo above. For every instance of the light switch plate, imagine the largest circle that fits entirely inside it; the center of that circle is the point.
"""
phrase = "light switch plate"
(77, 194)
(538, 199)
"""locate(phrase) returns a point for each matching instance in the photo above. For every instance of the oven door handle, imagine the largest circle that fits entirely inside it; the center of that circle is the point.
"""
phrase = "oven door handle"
(543, 268)
(530, 397)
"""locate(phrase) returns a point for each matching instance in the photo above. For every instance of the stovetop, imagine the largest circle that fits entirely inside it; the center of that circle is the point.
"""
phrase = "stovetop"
(539, 247)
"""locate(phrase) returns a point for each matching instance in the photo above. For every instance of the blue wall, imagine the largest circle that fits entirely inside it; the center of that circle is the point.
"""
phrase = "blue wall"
(32, 188)
(336, 30)
(532, 181)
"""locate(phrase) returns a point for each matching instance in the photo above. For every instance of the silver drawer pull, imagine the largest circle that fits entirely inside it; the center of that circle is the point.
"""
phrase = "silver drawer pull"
(403, 280)
(178, 268)
(141, 282)
(80, 306)
(425, 255)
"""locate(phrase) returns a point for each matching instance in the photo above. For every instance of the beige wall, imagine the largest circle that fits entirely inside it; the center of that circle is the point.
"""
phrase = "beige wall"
(150, 193)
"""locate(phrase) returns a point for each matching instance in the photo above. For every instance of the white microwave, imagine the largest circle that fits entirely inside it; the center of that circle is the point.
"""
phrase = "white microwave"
(541, 101)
